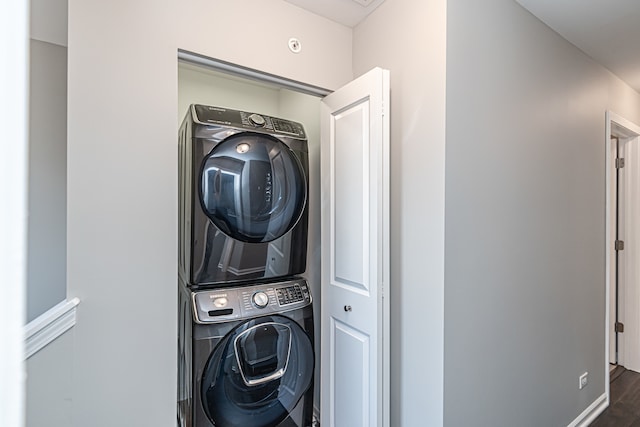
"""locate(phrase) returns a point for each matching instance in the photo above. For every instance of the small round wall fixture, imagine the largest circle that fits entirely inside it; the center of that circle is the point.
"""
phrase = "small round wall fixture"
(294, 45)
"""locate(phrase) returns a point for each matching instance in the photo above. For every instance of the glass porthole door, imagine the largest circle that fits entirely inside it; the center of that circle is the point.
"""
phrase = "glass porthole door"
(257, 374)
(253, 187)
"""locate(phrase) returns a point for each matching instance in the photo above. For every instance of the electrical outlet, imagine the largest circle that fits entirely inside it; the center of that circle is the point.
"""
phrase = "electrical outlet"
(584, 380)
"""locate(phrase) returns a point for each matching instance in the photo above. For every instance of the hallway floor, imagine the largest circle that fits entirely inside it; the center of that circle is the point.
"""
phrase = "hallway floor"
(624, 409)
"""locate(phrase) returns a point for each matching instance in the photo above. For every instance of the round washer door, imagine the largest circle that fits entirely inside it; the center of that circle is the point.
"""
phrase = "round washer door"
(253, 187)
(257, 373)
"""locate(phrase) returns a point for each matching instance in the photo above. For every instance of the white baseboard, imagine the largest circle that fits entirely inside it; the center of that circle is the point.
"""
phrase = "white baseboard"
(50, 325)
(591, 413)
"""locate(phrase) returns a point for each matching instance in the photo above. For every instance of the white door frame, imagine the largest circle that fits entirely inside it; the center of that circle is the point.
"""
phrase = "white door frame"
(14, 49)
(614, 123)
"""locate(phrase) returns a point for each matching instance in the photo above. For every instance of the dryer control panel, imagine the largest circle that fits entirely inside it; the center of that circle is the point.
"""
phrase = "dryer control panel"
(223, 305)
(209, 115)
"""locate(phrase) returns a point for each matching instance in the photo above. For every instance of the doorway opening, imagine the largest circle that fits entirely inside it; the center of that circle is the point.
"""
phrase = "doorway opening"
(623, 247)
(208, 81)
(362, 109)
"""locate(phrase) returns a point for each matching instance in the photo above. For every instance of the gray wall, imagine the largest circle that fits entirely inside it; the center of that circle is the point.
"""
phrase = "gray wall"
(122, 177)
(525, 218)
(47, 232)
(46, 245)
(49, 384)
(198, 85)
(408, 38)
(49, 372)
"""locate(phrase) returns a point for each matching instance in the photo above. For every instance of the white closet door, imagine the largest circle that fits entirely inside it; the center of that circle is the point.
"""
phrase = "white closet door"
(355, 254)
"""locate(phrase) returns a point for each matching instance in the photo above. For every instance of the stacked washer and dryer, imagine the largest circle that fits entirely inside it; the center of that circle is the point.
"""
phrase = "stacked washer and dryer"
(245, 338)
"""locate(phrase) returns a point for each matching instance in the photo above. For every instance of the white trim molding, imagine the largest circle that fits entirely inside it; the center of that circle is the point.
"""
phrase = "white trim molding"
(50, 325)
(14, 82)
(591, 413)
(14, 119)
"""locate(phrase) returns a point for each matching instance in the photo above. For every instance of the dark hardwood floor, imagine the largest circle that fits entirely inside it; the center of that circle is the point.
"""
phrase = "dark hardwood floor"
(624, 408)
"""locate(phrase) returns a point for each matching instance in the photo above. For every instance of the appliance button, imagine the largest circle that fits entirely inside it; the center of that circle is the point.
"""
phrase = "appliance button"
(260, 299)
(257, 120)
(220, 302)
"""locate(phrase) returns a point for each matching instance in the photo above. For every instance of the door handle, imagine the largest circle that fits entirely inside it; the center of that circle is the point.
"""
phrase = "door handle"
(347, 308)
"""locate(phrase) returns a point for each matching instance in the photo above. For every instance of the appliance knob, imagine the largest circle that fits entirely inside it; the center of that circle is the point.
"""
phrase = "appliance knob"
(257, 120)
(260, 299)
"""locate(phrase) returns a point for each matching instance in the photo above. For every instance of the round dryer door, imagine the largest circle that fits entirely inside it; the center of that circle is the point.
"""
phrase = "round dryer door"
(253, 187)
(257, 373)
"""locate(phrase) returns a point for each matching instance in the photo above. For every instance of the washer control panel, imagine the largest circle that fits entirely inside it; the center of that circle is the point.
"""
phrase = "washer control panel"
(223, 305)
(290, 294)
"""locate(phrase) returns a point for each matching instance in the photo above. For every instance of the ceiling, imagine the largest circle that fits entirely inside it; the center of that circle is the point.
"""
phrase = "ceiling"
(606, 30)
(345, 12)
